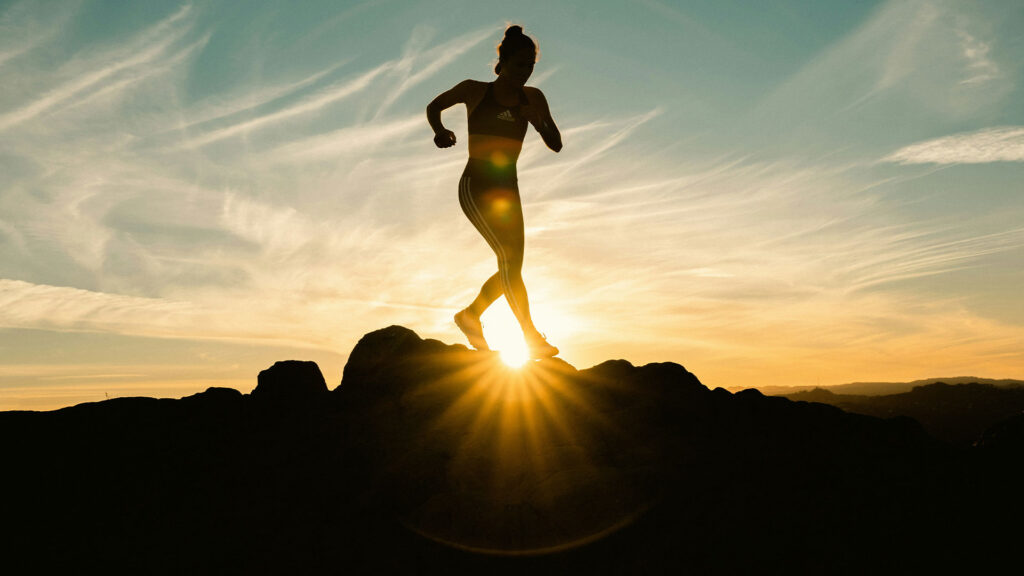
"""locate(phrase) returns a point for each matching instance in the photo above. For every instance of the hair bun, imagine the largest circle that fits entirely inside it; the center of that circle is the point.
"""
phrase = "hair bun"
(513, 42)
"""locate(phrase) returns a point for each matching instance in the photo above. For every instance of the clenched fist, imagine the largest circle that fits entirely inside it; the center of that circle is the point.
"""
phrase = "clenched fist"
(444, 139)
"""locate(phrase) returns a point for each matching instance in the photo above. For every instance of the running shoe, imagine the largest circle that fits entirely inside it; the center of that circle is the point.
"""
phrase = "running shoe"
(471, 327)
(539, 347)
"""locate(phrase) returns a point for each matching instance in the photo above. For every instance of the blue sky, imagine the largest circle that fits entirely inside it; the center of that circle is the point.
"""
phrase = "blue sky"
(767, 193)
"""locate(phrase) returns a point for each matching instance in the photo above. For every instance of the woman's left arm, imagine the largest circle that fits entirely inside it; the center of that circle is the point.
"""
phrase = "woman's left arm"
(538, 113)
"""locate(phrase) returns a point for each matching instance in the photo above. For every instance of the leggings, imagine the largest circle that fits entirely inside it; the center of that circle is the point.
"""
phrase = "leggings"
(492, 204)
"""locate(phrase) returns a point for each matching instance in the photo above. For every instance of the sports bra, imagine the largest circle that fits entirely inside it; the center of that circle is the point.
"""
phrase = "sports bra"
(493, 119)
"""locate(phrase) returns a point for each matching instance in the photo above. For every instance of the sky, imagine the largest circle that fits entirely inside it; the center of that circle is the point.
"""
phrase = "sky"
(786, 193)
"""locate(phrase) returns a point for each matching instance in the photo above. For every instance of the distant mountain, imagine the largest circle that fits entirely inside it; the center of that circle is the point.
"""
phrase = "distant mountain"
(881, 388)
(430, 458)
(957, 413)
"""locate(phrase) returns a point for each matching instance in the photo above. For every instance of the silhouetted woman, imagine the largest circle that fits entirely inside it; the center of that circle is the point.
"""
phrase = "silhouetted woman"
(488, 191)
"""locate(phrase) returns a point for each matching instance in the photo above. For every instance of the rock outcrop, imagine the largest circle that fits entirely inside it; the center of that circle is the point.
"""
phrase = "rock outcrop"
(291, 383)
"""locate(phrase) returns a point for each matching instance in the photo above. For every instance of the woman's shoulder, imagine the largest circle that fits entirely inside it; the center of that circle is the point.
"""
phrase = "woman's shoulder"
(533, 92)
(468, 90)
(472, 85)
(473, 92)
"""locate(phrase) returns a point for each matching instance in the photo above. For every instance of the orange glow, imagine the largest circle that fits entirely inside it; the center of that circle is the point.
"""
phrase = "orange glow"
(486, 147)
(501, 206)
(499, 159)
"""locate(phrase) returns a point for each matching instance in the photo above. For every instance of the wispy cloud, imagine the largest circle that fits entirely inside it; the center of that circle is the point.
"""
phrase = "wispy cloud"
(980, 67)
(226, 106)
(1002, 144)
(25, 25)
(116, 88)
(416, 64)
(25, 304)
(361, 138)
(143, 50)
(893, 255)
(552, 177)
(310, 104)
(911, 63)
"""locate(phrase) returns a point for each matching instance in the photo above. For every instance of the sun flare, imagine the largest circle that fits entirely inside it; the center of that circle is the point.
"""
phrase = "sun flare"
(504, 335)
(514, 356)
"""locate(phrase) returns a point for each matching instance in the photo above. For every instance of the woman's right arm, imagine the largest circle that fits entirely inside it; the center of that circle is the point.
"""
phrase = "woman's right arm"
(443, 137)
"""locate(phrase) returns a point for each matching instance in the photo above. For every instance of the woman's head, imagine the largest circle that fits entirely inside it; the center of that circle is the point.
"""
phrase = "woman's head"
(517, 54)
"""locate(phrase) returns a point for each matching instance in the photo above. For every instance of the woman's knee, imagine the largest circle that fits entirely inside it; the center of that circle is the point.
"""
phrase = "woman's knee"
(511, 267)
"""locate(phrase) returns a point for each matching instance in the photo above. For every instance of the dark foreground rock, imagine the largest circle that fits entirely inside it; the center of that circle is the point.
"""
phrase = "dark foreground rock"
(435, 459)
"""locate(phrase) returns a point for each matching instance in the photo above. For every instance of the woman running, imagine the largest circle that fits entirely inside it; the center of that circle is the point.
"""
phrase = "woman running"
(488, 191)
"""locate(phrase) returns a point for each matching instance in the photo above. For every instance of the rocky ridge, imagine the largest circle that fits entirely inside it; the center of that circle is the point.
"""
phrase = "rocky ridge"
(431, 457)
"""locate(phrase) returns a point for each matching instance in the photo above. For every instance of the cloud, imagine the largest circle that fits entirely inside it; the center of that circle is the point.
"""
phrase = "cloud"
(1002, 144)
(887, 256)
(251, 98)
(980, 68)
(25, 26)
(23, 304)
(130, 79)
(429, 62)
(142, 51)
(357, 139)
(910, 66)
(552, 177)
(308, 105)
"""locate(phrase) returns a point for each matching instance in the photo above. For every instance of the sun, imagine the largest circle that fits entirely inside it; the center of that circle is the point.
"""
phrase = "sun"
(505, 336)
(515, 356)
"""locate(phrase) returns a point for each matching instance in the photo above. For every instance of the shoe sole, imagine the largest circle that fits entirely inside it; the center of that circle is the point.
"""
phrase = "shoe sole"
(541, 354)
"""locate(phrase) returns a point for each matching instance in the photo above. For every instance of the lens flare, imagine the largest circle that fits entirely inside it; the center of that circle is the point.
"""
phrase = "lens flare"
(501, 208)
(499, 159)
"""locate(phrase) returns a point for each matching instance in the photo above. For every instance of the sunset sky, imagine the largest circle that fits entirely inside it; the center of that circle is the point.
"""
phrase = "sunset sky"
(768, 193)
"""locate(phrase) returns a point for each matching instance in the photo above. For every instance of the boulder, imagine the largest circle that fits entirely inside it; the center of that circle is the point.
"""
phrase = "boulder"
(289, 383)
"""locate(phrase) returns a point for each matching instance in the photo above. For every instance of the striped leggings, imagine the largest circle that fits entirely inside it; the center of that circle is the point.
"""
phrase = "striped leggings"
(494, 208)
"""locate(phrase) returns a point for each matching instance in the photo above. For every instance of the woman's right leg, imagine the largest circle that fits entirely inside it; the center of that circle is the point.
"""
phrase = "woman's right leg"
(468, 319)
(489, 292)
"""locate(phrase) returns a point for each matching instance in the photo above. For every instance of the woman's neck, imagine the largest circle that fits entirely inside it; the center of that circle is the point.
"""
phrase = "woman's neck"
(506, 90)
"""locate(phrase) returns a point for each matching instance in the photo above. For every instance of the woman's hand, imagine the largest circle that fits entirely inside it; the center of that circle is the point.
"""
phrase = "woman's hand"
(444, 139)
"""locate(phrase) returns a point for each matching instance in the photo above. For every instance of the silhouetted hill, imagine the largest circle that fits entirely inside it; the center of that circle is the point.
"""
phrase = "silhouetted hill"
(883, 388)
(431, 458)
(957, 413)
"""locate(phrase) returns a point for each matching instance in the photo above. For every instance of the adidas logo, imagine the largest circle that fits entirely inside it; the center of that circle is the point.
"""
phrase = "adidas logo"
(507, 116)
